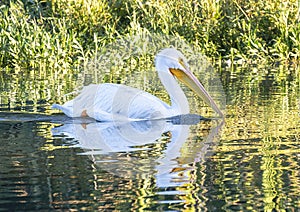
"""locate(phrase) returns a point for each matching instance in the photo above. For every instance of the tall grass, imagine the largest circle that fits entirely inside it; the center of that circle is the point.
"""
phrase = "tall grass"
(63, 33)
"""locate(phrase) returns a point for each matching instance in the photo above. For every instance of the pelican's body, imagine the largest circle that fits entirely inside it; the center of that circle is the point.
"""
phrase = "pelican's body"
(108, 102)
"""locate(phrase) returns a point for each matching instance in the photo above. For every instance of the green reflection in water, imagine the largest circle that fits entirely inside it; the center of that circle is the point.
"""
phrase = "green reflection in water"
(262, 127)
(34, 90)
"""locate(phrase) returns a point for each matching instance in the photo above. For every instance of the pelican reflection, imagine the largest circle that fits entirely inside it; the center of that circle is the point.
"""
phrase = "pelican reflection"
(142, 148)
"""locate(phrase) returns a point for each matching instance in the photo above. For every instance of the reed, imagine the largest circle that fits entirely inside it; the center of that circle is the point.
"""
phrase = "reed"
(65, 33)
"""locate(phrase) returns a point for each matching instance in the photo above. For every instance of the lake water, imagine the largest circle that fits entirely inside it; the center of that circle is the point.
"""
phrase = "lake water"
(249, 163)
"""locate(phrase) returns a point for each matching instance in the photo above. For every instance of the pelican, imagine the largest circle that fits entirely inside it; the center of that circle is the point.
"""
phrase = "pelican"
(110, 102)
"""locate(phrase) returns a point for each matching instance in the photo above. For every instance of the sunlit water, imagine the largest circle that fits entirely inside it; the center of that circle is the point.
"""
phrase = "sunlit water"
(250, 162)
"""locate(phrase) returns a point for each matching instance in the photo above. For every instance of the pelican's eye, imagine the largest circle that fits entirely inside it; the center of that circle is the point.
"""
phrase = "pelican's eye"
(181, 62)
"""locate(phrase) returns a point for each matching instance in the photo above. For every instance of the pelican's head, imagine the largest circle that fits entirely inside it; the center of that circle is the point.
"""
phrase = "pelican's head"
(172, 58)
(174, 62)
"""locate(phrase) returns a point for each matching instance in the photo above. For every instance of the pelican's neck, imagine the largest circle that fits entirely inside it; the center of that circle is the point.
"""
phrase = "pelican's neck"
(179, 101)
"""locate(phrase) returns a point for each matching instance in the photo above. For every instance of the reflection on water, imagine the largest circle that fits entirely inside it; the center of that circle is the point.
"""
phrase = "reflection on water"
(133, 149)
(251, 163)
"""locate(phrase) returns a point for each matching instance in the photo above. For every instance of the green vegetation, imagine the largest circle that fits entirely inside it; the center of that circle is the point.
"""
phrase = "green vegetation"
(65, 33)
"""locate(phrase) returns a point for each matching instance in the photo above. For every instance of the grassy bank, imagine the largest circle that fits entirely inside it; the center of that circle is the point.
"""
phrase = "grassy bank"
(65, 33)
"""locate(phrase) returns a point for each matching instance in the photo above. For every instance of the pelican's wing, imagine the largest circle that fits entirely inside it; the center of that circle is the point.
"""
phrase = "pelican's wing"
(106, 102)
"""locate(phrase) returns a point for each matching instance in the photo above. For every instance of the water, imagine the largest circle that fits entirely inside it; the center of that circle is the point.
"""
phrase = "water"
(249, 163)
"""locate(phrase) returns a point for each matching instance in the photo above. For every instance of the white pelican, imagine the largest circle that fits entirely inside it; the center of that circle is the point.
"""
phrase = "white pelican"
(108, 102)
